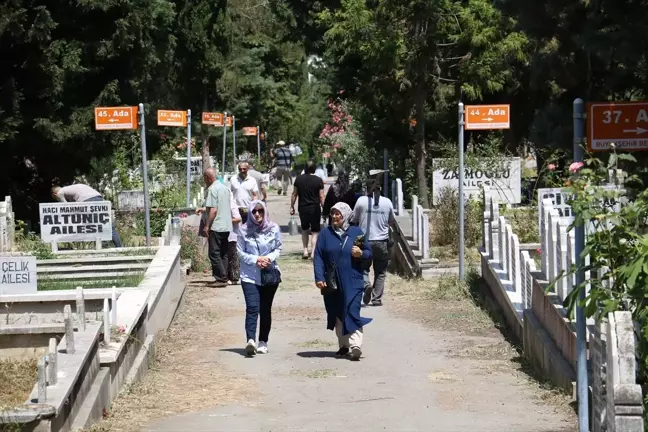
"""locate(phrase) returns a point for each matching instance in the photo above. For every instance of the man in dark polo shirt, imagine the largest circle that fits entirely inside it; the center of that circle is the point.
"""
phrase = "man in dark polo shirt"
(309, 188)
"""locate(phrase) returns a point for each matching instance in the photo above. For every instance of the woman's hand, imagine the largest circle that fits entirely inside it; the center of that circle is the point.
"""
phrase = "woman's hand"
(356, 252)
(263, 262)
(320, 284)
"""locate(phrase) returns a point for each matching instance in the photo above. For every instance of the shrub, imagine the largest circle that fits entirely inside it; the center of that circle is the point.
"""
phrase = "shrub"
(524, 222)
(444, 226)
(30, 242)
(191, 247)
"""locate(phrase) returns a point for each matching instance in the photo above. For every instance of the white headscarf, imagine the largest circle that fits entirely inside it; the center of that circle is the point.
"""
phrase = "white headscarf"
(346, 213)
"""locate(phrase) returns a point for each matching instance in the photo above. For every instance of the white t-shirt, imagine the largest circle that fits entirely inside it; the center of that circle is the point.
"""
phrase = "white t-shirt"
(243, 190)
(381, 216)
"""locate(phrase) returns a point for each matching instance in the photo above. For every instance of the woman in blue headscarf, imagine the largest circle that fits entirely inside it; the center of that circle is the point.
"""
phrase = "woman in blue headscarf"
(258, 245)
(341, 249)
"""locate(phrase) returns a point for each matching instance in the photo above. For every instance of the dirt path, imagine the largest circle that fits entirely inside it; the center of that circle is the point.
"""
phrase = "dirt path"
(432, 361)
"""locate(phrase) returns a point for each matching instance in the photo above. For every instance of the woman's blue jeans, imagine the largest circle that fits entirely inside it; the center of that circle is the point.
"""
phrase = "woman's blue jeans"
(115, 237)
(258, 307)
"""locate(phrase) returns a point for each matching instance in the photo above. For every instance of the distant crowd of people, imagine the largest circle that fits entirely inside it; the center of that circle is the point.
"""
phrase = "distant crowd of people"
(244, 244)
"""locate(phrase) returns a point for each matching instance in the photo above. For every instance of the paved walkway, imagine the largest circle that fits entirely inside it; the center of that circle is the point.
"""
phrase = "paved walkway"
(406, 381)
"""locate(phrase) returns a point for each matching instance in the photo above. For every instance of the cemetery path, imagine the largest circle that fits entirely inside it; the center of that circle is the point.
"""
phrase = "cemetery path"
(419, 372)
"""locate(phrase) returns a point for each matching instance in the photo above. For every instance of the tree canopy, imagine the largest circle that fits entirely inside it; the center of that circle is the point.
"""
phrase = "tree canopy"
(402, 66)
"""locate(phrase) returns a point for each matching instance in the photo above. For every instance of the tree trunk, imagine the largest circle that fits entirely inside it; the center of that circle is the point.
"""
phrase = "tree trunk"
(206, 161)
(420, 147)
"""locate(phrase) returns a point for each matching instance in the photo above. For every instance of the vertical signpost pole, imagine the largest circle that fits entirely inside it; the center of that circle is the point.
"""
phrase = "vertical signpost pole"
(461, 191)
(579, 245)
(188, 158)
(234, 140)
(386, 168)
(224, 141)
(147, 216)
(258, 145)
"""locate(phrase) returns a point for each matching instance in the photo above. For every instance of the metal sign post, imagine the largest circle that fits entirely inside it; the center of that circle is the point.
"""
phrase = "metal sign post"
(234, 139)
(188, 158)
(386, 168)
(224, 140)
(258, 144)
(461, 191)
(147, 216)
(579, 244)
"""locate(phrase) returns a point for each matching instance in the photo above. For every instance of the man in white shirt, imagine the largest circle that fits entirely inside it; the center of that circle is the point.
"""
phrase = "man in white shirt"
(374, 219)
(245, 189)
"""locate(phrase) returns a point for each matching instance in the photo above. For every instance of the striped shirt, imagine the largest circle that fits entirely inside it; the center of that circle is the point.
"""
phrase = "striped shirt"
(283, 156)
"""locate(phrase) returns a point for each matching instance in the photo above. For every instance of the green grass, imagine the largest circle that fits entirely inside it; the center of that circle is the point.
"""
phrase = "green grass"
(53, 284)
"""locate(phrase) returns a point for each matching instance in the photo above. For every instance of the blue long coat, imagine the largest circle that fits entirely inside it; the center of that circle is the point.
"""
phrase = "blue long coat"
(344, 303)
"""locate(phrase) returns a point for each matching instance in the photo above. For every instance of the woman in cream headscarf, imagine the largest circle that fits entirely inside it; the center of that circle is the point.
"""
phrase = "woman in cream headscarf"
(337, 262)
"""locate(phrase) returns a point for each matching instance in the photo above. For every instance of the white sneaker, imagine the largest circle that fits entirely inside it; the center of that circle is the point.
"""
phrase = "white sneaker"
(263, 348)
(250, 348)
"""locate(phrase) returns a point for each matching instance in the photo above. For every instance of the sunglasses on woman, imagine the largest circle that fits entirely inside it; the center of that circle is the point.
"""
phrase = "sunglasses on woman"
(258, 211)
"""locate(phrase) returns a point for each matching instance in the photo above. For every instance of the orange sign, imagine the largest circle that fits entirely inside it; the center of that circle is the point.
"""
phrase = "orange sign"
(483, 117)
(623, 123)
(249, 131)
(115, 118)
(172, 118)
(228, 121)
(212, 118)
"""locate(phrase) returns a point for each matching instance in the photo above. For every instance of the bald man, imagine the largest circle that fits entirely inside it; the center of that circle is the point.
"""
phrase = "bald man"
(218, 225)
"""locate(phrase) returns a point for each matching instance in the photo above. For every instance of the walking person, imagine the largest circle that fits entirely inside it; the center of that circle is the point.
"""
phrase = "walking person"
(244, 188)
(283, 161)
(233, 264)
(218, 226)
(80, 192)
(256, 175)
(338, 263)
(374, 213)
(341, 191)
(309, 188)
(259, 246)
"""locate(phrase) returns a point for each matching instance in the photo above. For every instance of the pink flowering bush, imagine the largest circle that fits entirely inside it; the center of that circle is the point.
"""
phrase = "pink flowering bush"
(342, 138)
(575, 167)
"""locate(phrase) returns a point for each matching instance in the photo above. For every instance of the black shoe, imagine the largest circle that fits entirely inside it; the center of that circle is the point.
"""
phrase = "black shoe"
(366, 297)
(376, 303)
(342, 352)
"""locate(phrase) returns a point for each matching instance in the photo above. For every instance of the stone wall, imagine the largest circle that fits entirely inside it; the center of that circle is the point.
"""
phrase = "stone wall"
(7, 225)
(616, 397)
(532, 302)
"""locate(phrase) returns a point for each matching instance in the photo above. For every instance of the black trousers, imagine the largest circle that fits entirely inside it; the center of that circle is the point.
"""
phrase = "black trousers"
(218, 246)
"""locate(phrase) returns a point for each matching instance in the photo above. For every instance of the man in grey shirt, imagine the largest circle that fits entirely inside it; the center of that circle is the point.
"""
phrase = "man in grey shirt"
(83, 193)
(374, 213)
(217, 226)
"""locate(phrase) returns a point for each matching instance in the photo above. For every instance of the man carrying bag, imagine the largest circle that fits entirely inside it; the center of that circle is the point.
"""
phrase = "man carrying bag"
(374, 213)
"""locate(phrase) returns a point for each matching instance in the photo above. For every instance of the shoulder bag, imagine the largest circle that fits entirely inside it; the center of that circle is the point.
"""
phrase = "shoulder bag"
(332, 273)
(270, 275)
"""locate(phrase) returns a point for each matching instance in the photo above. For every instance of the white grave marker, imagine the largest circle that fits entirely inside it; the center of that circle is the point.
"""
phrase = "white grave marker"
(504, 180)
(17, 274)
(82, 221)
